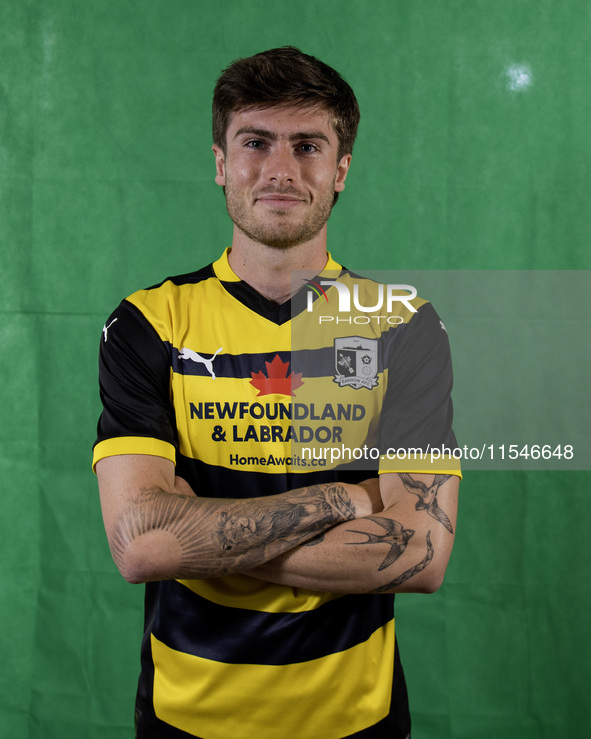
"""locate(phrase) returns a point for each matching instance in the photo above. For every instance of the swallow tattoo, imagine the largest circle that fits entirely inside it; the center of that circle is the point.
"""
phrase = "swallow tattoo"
(395, 535)
(412, 571)
(427, 496)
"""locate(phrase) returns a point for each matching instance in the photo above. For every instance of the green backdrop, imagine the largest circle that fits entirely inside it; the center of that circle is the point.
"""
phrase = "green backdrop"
(473, 153)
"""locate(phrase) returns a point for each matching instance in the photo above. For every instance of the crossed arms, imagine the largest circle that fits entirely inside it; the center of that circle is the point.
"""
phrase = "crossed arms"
(403, 548)
(333, 537)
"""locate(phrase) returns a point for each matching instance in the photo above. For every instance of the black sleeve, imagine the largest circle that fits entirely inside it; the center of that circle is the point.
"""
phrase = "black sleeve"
(134, 379)
(417, 410)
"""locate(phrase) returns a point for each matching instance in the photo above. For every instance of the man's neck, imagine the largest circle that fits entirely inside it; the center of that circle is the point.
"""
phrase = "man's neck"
(269, 269)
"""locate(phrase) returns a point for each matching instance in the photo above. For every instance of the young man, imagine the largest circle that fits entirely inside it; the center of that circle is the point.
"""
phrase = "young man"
(249, 630)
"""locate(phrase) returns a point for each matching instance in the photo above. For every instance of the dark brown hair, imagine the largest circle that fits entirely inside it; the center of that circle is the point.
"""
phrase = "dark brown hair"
(285, 77)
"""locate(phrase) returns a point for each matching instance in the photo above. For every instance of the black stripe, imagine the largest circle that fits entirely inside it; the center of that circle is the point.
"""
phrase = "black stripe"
(233, 482)
(148, 726)
(395, 726)
(222, 482)
(219, 633)
(190, 278)
(254, 301)
(237, 366)
(310, 362)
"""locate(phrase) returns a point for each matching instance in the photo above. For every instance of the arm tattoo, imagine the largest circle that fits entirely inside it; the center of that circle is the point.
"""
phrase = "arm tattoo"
(240, 525)
(338, 499)
(427, 496)
(409, 573)
(394, 534)
(316, 540)
(157, 511)
(214, 537)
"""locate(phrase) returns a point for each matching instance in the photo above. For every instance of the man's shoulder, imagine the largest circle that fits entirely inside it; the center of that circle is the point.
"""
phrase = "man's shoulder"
(189, 278)
(173, 289)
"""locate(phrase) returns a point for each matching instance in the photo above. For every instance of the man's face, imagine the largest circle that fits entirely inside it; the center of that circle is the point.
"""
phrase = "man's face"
(280, 172)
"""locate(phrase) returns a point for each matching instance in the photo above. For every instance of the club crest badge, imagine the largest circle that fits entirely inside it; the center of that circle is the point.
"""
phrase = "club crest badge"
(356, 362)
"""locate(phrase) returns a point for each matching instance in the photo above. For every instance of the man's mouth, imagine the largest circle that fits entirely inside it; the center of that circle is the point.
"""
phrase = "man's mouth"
(280, 201)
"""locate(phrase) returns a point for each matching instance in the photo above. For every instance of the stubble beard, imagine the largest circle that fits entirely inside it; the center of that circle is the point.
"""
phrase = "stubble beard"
(286, 231)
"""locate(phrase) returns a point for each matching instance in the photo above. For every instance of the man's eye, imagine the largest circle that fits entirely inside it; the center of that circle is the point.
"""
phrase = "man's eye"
(255, 144)
(307, 148)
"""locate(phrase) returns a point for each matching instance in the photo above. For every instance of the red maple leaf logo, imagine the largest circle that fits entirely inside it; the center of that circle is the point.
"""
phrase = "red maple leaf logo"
(276, 380)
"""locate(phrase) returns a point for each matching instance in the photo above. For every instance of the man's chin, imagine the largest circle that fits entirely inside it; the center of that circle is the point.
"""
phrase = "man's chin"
(279, 240)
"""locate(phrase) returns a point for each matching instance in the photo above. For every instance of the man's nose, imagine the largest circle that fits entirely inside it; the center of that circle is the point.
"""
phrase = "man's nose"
(281, 165)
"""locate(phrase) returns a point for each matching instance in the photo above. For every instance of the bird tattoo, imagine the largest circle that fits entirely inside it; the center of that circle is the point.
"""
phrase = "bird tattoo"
(427, 495)
(388, 587)
(395, 535)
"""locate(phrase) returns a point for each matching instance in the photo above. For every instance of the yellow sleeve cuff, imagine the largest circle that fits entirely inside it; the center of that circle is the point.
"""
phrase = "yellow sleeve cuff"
(421, 464)
(133, 445)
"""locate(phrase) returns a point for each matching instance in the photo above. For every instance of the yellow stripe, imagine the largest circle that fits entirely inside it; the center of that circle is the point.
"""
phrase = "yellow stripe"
(133, 445)
(230, 324)
(170, 309)
(202, 438)
(240, 591)
(444, 466)
(214, 700)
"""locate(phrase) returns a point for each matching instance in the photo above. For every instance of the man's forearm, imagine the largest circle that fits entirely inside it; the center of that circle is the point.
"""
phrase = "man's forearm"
(164, 535)
(404, 548)
(342, 561)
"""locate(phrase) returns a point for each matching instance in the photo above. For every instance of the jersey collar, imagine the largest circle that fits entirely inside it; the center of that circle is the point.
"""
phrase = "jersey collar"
(252, 299)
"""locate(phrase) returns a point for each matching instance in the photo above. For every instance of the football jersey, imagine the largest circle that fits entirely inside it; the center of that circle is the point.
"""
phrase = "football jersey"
(204, 371)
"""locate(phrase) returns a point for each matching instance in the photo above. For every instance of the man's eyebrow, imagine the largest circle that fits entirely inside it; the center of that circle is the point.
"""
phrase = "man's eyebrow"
(262, 132)
(299, 136)
(309, 135)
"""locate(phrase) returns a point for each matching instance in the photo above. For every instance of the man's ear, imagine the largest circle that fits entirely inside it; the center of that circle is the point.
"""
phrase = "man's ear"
(220, 165)
(342, 169)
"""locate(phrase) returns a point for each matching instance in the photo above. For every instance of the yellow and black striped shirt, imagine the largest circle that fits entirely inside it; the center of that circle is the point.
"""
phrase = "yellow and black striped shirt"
(203, 370)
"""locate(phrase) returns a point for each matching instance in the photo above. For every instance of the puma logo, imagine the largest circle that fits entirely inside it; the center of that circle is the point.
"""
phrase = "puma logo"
(194, 357)
(106, 328)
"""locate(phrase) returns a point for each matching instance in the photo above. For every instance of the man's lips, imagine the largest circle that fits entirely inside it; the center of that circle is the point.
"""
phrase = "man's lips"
(282, 202)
